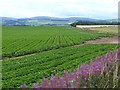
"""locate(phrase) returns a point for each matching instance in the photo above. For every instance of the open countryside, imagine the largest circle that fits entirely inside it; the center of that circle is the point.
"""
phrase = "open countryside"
(32, 53)
(59, 44)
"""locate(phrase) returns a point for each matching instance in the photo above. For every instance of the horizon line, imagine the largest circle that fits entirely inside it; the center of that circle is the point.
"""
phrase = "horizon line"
(54, 17)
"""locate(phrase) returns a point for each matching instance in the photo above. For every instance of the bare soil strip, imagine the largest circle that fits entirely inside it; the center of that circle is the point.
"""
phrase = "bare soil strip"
(106, 40)
(17, 57)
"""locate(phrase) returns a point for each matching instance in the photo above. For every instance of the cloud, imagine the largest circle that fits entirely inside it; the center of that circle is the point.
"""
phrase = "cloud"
(59, 8)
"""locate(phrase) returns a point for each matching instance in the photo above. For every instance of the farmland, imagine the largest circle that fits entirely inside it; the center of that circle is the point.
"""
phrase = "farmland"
(18, 41)
(110, 29)
(55, 50)
(33, 68)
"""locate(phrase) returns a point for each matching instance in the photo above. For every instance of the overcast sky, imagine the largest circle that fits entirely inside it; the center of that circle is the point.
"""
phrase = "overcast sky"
(99, 9)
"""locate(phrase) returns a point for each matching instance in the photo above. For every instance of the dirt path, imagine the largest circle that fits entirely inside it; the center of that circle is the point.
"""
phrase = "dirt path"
(19, 56)
(106, 40)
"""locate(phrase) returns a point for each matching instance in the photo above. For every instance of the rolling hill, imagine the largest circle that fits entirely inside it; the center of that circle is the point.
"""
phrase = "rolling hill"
(46, 21)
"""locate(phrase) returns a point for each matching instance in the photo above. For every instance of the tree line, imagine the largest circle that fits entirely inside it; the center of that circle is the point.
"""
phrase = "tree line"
(93, 23)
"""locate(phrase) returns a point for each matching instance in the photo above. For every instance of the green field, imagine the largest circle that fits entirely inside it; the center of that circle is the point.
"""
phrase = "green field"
(18, 40)
(55, 51)
(31, 69)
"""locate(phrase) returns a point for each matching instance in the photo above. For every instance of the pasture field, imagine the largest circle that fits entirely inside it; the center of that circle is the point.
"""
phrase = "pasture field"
(31, 69)
(110, 29)
(23, 40)
(55, 49)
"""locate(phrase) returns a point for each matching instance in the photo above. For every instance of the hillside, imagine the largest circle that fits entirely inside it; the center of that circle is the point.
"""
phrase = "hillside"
(44, 20)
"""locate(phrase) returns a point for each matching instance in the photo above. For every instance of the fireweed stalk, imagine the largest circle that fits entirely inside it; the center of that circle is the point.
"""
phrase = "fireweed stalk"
(103, 72)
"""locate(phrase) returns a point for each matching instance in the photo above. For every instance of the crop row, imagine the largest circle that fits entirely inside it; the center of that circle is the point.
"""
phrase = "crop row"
(19, 41)
(31, 68)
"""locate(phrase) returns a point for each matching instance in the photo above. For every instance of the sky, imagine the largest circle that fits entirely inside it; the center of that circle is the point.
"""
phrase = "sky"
(98, 9)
